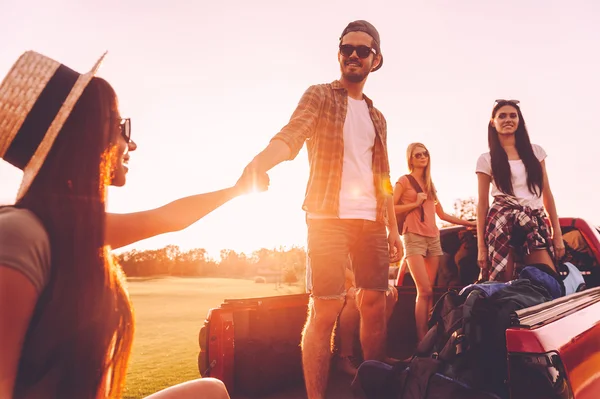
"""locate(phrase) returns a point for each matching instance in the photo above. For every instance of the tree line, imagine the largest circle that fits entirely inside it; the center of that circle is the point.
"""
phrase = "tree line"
(278, 265)
(274, 265)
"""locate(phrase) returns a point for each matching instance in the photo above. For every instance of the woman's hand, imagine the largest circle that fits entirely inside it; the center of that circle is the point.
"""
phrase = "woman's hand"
(482, 258)
(421, 197)
(483, 263)
(484, 275)
(252, 180)
(559, 246)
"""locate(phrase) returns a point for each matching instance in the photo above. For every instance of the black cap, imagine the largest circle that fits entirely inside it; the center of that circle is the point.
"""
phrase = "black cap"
(369, 29)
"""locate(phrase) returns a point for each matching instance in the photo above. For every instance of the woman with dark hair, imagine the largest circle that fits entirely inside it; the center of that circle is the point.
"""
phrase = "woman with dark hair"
(515, 227)
(66, 321)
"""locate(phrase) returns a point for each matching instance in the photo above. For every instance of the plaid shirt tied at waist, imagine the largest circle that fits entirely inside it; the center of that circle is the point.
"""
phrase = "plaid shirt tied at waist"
(506, 215)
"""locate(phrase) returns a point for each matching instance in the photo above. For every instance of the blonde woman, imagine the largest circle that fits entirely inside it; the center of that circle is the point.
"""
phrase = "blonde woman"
(417, 204)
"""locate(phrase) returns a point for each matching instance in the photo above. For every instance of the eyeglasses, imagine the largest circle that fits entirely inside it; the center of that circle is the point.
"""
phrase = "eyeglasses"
(125, 126)
(513, 102)
(420, 155)
(362, 51)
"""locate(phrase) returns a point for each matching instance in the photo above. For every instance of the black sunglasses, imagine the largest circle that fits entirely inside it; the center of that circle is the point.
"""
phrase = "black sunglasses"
(125, 126)
(420, 155)
(362, 51)
(513, 102)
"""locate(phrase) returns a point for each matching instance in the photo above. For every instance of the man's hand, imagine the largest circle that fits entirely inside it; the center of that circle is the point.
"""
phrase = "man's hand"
(252, 180)
(394, 243)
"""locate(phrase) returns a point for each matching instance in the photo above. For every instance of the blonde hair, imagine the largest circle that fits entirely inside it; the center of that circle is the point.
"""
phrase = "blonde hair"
(429, 188)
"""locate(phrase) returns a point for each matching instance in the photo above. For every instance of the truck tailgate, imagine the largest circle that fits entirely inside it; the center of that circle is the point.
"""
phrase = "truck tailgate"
(570, 327)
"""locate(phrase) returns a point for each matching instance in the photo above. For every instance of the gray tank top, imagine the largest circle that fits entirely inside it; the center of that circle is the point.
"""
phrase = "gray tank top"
(25, 245)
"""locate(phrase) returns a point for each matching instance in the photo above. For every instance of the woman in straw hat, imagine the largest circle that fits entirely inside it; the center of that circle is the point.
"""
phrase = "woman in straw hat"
(66, 322)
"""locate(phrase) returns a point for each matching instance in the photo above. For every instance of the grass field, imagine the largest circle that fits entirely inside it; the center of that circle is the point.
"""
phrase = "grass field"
(169, 313)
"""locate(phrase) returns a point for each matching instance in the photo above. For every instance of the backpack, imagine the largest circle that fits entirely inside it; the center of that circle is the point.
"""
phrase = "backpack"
(463, 355)
(440, 367)
(545, 276)
(401, 217)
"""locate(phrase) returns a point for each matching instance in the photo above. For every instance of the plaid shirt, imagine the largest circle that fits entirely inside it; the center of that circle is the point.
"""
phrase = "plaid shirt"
(504, 216)
(319, 120)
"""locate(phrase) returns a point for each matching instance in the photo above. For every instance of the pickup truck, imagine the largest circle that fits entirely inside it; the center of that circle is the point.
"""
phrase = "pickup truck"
(252, 345)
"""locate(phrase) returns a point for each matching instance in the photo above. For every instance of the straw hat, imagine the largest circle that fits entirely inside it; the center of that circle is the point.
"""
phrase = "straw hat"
(36, 98)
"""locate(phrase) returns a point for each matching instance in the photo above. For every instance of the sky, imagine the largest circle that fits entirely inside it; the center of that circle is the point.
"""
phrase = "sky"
(208, 83)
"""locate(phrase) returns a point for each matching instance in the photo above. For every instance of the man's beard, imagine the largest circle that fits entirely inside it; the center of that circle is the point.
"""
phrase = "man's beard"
(354, 77)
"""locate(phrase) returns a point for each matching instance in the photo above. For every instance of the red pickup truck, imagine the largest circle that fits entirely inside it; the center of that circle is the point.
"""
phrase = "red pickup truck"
(553, 348)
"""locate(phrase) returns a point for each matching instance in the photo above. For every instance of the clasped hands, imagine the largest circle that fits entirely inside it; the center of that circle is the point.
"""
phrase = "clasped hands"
(253, 179)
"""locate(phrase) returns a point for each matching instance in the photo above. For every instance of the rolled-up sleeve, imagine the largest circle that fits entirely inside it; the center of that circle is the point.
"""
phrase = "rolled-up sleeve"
(388, 189)
(303, 122)
(385, 171)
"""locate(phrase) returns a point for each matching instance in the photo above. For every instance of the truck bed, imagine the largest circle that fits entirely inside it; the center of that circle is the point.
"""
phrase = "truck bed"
(262, 335)
(555, 325)
(253, 344)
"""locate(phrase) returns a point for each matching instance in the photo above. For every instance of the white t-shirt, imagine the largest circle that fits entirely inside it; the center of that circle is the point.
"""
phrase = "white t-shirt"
(357, 193)
(519, 178)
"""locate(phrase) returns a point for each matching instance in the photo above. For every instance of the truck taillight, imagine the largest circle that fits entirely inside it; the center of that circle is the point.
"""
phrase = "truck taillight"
(537, 376)
(203, 366)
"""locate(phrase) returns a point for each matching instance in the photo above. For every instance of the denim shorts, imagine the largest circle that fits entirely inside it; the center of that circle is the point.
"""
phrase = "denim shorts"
(330, 241)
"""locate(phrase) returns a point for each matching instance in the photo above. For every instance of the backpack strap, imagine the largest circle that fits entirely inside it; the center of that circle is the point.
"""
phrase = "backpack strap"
(418, 189)
(427, 344)
(420, 371)
(436, 330)
(413, 183)
(471, 333)
(401, 217)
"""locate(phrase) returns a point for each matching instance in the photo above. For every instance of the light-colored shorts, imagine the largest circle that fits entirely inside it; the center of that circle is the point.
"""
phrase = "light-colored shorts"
(416, 244)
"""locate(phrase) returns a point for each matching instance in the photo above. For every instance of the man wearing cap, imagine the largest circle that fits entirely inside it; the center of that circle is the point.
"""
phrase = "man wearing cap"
(348, 200)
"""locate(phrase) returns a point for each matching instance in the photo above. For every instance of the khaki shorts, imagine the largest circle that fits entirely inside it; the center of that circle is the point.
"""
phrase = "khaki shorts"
(416, 244)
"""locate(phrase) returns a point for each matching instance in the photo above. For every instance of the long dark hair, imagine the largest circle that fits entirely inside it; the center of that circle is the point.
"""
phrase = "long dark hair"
(500, 167)
(80, 335)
